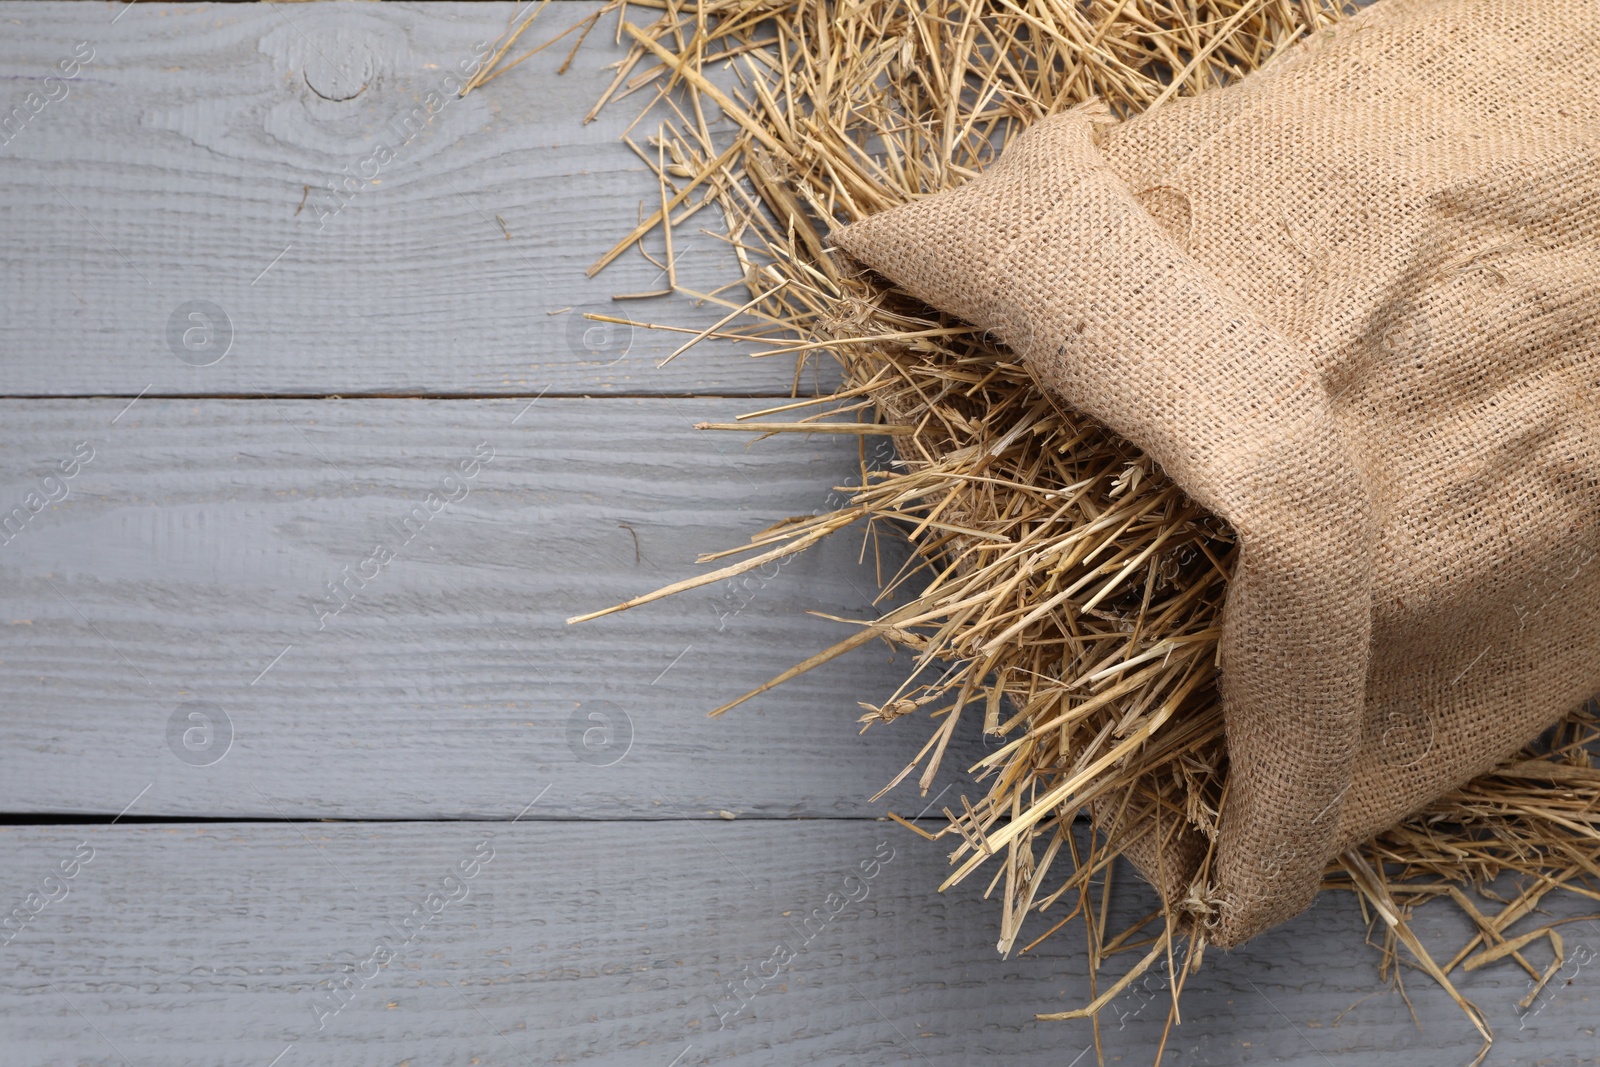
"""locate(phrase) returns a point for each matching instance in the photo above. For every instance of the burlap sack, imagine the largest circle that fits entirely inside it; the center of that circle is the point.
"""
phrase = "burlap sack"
(1350, 304)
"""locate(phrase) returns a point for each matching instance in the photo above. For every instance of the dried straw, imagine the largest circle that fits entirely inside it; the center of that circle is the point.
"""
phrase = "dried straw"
(1061, 590)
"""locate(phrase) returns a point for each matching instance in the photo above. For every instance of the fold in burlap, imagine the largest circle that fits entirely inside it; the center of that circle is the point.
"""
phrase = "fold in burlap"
(1350, 305)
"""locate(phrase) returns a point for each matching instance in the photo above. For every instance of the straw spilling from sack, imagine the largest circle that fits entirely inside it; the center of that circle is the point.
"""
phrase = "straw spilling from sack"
(1063, 596)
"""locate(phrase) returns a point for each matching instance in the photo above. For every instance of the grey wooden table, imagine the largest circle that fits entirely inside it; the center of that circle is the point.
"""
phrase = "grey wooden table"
(302, 476)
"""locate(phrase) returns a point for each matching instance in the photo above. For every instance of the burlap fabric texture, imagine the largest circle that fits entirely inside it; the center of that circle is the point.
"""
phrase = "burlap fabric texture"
(1350, 304)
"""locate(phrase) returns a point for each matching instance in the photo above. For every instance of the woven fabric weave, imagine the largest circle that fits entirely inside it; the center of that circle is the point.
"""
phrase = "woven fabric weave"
(1350, 304)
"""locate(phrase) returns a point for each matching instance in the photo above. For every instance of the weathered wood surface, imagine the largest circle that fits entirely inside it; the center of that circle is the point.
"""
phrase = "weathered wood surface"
(191, 558)
(189, 161)
(616, 943)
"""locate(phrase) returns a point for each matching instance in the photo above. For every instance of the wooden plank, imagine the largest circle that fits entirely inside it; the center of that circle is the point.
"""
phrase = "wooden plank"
(187, 214)
(608, 943)
(191, 557)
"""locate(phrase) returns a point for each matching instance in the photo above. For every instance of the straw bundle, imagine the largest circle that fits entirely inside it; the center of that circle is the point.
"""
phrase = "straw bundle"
(1064, 595)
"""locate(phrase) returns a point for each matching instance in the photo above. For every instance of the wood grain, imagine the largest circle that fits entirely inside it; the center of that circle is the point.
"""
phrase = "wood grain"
(197, 544)
(616, 943)
(191, 158)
